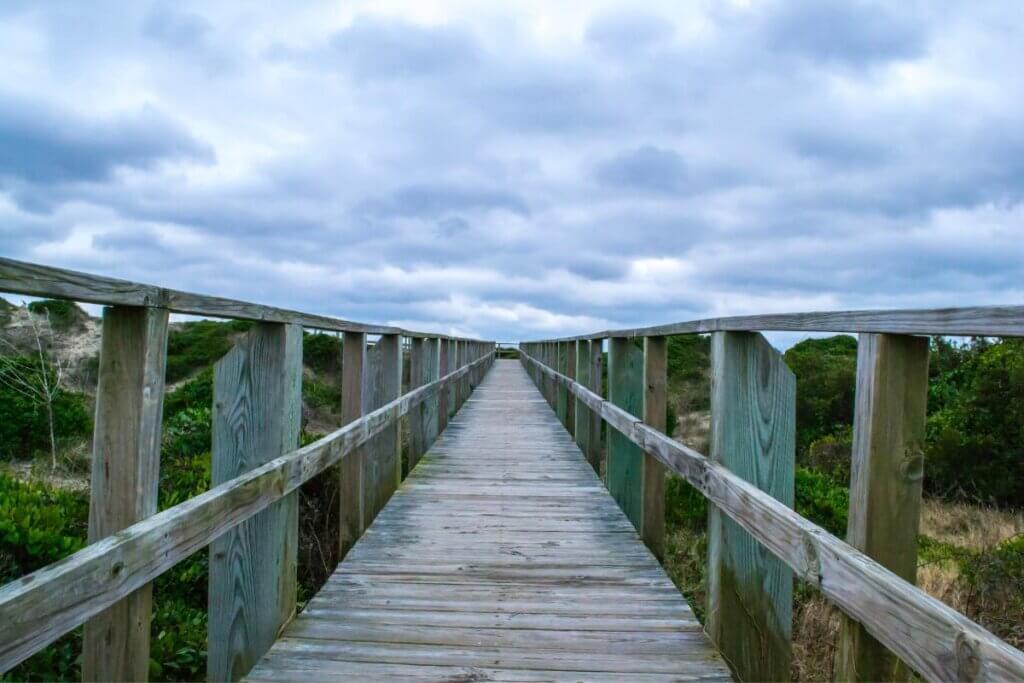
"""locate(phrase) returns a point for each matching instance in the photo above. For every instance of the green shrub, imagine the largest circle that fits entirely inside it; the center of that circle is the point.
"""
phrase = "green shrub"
(975, 445)
(195, 393)
(995, 578)
(321, 395)
(832, 454)
(826, 375)
(196, 345)
(40, 525)
(822, 501)
(62, 314)
(24, 428)
(685, 506)
(321, 353)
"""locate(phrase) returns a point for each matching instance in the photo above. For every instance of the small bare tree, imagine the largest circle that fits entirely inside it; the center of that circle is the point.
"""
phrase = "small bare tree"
(41, 380)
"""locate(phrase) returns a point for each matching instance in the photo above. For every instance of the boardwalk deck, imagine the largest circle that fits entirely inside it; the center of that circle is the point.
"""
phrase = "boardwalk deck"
(501, 557)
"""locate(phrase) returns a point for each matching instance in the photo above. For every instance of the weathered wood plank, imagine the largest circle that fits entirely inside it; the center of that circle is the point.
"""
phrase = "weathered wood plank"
(21, 277)
(257, 415)
(570, 400)
(422, 420)
(382, 465)
(582, 413)
(561, 395)
(624, 473)
(885, 487)
(753, 434)
(937, 641)
(38, 608)
(125, 477)
(351, 501)
(502, 549)
(655, 405)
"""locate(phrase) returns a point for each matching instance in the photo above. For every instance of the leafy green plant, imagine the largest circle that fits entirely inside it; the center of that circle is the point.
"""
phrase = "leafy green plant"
(196, 345)
(62, 314)
(826, 374)
(195, 393)
(321, 353)
(821, 500)
(24, 428)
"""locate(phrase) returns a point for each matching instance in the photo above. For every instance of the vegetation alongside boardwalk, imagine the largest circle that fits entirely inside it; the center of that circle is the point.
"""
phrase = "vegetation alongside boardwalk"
(975, 421)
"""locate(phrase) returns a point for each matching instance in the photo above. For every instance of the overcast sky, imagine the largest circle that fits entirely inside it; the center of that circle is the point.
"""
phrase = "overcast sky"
(523, 170)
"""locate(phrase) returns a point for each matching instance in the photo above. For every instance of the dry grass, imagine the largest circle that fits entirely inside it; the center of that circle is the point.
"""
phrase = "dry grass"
(975, 527)
(968, 530)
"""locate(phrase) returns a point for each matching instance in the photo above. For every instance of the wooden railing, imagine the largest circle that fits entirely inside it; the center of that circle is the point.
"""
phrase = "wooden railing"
(249, 516)
(748, 478)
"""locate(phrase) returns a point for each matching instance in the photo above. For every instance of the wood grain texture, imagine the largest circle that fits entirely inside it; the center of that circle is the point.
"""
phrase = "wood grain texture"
(625, 471)
(351, 501)
(257, 415)
(570, 372)
(21, 277)
(597, 372)
(561, 395)
(655, 406)
(583, 413)
(423, 420)
(38, 608)
(442, 398)
(995, 321)
(125, 477)
(502, 557)
(885, 487)
(937, 641)
(753, 434)
(382, 465)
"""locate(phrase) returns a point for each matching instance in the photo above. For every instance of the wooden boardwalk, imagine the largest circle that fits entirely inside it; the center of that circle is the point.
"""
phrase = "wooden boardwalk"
(502, 557)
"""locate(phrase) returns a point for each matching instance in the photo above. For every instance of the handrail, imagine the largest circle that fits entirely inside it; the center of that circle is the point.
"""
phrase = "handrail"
(936, 640)
(40, 607)
(31, 279)
(977, 321)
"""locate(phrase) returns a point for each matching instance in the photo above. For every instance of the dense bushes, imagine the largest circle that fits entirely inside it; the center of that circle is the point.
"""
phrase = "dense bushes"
(976, 433)
(62, 314)
(196, 345)
(826, 372)
(23, 421)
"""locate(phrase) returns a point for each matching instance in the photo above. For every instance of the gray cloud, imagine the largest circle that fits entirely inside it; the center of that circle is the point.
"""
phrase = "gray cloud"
(521, 172)
(47, 146)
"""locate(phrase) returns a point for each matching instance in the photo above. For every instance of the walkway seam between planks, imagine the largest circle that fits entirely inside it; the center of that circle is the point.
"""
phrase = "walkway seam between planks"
(501, 558)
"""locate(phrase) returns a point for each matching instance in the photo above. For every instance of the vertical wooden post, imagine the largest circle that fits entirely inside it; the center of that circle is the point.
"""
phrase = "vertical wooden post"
(125, 475)
(257, 414)
(583, 416)
(382, 383)
(625, 459)
(453, 393)
(655, 406)
(460, 362)
(570, 372)
(423, 419)
(885, 483)
(597, 386)
(561, 394)
(753, 425)
(351, 499)
(442, 392)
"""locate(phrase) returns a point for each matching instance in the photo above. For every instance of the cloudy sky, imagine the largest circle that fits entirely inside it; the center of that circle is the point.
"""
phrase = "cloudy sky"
(524, 169)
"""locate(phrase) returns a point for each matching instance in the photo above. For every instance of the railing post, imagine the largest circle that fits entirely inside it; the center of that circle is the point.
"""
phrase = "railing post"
(597, 386)
(442, 392)
(464, 380)
(753, 425)
(382, 383)
(885, 486)
(570, 372)
(422, 418)
(561, 393)
(351, 520)
(257, 414)
(625, 459)
(583, 414)
(453, 387)
(655, 406)
(125, 475)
